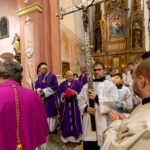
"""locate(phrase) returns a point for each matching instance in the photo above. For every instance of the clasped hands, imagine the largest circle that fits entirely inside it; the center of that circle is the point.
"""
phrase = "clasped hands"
(113, 115)
(41, 92)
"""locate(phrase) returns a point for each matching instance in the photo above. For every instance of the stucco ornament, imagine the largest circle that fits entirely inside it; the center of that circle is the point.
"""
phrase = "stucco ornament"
(29, 52)
(27, 20)
(26, 1)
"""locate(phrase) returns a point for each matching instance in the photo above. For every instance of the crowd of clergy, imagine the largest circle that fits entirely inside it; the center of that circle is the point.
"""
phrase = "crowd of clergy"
(114, 115)
(70, 99)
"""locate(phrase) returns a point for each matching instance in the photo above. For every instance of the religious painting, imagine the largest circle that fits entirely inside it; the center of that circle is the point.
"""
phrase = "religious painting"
(137, 34)
(4, 28)
(65, 68)
(116, 26)
(116, 22)
(116, 62)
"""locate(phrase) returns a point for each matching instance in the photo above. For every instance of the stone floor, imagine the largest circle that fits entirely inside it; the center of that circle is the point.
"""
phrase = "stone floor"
(54, 143)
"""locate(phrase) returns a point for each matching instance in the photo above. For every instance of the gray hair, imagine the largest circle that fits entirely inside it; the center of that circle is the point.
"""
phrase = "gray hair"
(11, 70)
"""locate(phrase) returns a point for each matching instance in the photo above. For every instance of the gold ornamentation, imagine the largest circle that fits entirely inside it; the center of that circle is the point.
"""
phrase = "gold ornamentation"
(137, 27)
(111, 5)
(118, 47)
(69, 105)
(71, 128)
(19, 147)
(70, 112)
(30, 9)
(70, 120)
(16, 44)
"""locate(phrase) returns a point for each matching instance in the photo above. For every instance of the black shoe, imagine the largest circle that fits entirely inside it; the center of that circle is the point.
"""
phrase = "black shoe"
(79, 143)
(49, 132)
(54, 132)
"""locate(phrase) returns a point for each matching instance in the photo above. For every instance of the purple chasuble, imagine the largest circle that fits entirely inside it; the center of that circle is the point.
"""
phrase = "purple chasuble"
(83, 80)
(70, 119)
(33, 121)
(51, 102)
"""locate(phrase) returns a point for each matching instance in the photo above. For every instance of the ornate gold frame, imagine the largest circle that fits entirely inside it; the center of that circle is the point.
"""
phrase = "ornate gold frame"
(137, 14)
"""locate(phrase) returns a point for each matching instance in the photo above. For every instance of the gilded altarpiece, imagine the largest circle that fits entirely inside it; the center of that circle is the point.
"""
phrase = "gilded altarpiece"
(137, 27)
(122, 36)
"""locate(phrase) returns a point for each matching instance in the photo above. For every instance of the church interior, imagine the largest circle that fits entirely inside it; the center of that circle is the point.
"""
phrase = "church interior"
(42, 36)
(34, 31)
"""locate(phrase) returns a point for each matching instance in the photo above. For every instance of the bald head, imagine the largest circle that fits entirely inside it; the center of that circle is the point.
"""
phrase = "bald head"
(69, 76)
(141, 79)
(143, 69)
(83, 69)
(44, 69)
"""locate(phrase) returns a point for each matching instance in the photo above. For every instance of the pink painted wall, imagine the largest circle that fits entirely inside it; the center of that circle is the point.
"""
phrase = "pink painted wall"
(8, 9)
(54, 38)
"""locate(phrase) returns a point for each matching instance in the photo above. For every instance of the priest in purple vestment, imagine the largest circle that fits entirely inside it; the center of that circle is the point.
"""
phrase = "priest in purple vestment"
(23, 123)
(83, 76)
(70, 118)
(46, 85)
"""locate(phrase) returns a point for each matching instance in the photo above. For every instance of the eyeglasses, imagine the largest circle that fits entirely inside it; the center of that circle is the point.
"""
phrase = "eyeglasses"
(99, 69)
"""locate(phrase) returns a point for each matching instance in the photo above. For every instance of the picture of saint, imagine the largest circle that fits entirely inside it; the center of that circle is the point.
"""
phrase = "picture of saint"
(116, 26)
(4, 28)
(137, 35)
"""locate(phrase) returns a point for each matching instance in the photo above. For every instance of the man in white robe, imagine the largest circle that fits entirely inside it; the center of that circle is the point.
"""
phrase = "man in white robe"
(124, 75)
(105, 96)
(132, 132)
(112, 72)
(128, 82)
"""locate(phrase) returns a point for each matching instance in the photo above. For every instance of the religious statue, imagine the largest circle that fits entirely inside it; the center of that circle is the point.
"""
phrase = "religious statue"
(137, 35)
(116, 26)
(85, 14)
(16, 43)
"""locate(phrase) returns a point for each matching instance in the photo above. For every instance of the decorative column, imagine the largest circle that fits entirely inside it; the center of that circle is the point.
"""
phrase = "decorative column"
(37, 38)
(31, 40)
(148, 4)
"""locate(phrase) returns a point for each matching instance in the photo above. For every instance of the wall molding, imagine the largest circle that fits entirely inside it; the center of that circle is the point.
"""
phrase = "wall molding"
(29, 9)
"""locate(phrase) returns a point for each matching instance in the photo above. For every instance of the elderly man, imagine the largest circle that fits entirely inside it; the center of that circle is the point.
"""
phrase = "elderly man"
(70, 119)
(22, 116)
(133, 132)
(83, 76)
(105, 96)
(46, 86)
